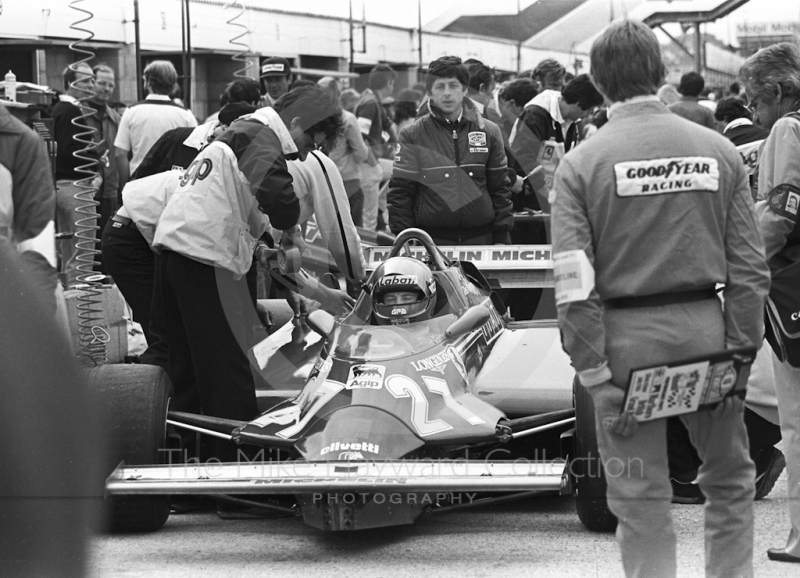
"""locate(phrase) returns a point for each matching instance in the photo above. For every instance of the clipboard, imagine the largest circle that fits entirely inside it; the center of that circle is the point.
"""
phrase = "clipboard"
(688, 385)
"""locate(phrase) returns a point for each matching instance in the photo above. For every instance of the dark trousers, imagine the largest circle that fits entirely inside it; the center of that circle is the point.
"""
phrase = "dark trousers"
(683, 459)
(131, 263)
(205, 311)
(356, 197)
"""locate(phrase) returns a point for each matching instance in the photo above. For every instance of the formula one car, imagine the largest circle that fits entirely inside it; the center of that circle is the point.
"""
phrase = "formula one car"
(394, 420)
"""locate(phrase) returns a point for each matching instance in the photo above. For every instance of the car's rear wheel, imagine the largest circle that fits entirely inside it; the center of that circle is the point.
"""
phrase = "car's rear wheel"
(135, 399)
(587, 469)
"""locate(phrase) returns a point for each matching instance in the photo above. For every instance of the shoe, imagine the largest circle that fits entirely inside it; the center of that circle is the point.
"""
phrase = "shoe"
(769, 465)
(686, 493)
(781, 555)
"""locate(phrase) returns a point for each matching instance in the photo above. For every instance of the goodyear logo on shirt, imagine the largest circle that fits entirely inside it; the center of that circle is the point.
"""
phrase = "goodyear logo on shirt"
(662, 176)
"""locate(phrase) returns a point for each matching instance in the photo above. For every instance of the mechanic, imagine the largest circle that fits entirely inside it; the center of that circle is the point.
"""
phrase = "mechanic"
(450, 174)
(635, 268)
(772, 82)
(199, 272)
(126, 252)
(403, 291)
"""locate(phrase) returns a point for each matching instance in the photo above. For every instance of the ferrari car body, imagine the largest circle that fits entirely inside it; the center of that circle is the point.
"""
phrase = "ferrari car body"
(396, 420)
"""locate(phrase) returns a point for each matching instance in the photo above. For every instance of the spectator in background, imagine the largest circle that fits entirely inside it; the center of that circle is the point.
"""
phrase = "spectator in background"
(144, 122)
(348, 151)
(301, 82)
(549, 130)
(480, 91)
(375, 127)
(549, 74)
(450, 169)
(276, 75)
(406, 107)
(515, 95)
(733, 121)
(772, 81)
(349, 99)
(650, 299)
(78, 83)
(668, 94)
(106, 124)
(688, 105)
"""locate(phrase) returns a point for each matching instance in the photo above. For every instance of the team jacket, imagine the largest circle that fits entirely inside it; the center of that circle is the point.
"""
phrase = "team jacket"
(450, 178)
(779, 186)
(652, 204)
(213, 216)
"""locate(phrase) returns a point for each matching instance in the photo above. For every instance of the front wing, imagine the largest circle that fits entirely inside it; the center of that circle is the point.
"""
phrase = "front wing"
(289, 477)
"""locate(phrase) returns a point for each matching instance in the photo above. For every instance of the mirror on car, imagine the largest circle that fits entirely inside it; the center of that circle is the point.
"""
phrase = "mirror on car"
(321, 322)
(472, 318)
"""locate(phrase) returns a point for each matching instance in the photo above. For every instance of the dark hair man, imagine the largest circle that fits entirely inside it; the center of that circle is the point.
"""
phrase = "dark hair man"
(450, 168)
(643, 295)
(547, 130)
(688, 106)
(376, 128)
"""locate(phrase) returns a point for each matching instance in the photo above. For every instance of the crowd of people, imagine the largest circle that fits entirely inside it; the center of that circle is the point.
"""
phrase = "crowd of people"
(656, 198)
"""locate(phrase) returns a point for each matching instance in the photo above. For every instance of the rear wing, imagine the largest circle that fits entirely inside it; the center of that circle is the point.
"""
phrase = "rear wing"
(504, 266)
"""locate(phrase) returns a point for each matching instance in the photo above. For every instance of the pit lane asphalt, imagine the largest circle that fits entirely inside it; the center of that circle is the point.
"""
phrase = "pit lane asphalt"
(539, 537)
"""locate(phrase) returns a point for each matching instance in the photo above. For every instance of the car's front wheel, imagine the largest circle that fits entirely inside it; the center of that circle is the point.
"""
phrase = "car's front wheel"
(135, 399)
(587, 469)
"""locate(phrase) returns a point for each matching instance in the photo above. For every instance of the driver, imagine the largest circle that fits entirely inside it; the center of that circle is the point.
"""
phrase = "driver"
(403, 291)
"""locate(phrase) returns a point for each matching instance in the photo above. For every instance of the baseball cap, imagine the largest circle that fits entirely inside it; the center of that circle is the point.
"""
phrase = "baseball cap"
(276, 66)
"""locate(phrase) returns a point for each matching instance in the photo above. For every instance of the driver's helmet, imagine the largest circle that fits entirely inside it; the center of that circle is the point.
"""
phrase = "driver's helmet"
(414, 290)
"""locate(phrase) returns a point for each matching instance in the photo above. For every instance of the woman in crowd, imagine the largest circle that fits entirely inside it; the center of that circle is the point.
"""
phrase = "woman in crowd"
(772, 81)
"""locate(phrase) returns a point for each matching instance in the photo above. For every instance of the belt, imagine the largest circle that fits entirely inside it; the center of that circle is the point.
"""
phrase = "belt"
(660, 299)
(124, 221)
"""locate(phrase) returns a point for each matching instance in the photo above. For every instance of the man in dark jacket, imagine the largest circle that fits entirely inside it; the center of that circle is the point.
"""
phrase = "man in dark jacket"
(450, 168)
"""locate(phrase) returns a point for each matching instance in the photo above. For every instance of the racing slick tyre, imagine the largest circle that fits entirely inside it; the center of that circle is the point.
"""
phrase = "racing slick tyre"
(587, 470)
(135, 399)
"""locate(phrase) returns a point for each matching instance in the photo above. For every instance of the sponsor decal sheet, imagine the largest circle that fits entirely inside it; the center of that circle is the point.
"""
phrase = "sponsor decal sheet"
(688, 386)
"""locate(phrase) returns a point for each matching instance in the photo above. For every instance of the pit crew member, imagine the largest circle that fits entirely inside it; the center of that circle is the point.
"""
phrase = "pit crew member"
(449, 174)
(643, 230)
(238, 178)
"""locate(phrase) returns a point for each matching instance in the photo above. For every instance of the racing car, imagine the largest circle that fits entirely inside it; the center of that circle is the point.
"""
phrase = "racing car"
(451, 408)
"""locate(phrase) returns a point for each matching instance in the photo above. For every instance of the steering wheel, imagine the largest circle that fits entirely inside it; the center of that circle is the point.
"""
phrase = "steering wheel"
(438, 261)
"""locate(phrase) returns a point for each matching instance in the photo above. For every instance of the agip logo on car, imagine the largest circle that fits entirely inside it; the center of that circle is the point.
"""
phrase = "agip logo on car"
(365, 376)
